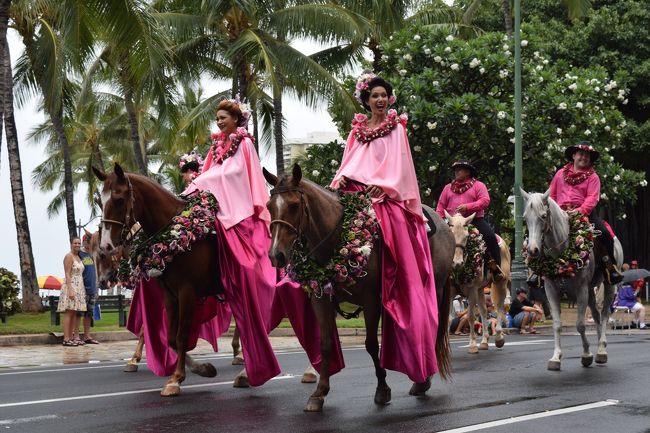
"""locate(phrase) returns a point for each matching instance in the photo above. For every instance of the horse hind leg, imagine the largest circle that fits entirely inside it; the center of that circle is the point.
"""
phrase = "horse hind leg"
(203, 369)
(608, 298)
(483, 345)
(132, 365)
(325, 314)
(383, 393)
(587, 357)
(551, 293)
(310, 375)
(241, 380)
(180, 312)
(237, 357)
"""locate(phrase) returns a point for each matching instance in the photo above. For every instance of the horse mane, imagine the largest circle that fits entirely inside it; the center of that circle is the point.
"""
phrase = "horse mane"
(152, 184)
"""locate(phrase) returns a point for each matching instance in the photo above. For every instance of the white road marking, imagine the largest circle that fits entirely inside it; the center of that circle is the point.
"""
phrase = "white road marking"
(116, 394)
(14, 421)
(532, 416)
(517, 343)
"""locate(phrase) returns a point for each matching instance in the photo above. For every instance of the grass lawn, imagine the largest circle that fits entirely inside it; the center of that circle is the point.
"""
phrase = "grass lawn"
(39, 323)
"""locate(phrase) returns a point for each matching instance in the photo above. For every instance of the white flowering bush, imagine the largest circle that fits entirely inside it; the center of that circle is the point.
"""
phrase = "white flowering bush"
(320, 162)
(9, 289)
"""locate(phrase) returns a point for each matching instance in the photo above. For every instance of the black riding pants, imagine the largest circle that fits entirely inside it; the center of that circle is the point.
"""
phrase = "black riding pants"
(489, 237)
(605, 238)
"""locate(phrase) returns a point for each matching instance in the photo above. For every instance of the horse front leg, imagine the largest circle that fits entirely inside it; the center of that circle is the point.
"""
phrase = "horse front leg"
(484, 319)
(132, 365)
(237, 357)
(554, 302)
(371, 318)
(587, 357)
(472, 301)
(326, 316)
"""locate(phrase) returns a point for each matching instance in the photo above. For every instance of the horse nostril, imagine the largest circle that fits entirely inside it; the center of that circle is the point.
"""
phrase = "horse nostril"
(280, 259)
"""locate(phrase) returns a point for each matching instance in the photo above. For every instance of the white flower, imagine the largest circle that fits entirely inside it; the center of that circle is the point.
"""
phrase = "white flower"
(391, 37)
(501, 114)
(482, 70)
(449, 38)
(474, 63)
(643, 183)
(623, 123)
(615, 190)
(464, 119)
(432, 125)
(435, 140)
(579, 105)
(562, 106)
(621, 92)
(573, 86)
(536, 54)
(443, 63)
(315, 173)
(539, 67)
(617, 177)
(524, 43)
(541, 79)
(407, 57)
(623, 216)
(334, 163)
(503, 73)
(587, 132)
(417, 37)
(397, 51)
(505, 47)
(427, 191)
(625, 101)
(507, 53)
(437, 59)
(427, 51)
(545, 61)
(385, 58)
(365, 250)
(603, 196)
(597, 89)
(436, 83)
(403, 72)
(559, 131)
(447, 49)
(417, 148)
(432, 167)
(512, 140)
(510, 130)
(454, 66)
(414, 97)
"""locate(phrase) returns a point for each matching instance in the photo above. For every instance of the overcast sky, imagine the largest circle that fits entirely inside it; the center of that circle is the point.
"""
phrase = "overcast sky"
(49, 236)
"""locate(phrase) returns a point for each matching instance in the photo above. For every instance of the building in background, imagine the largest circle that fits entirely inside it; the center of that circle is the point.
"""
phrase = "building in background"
(295, 147)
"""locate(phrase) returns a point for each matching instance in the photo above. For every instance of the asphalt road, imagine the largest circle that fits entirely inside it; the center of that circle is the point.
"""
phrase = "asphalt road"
(507, 390)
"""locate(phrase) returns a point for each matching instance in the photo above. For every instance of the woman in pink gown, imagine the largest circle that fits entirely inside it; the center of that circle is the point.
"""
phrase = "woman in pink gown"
(377, 159)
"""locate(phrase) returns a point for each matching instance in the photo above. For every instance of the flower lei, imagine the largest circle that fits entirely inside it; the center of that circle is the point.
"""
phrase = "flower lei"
(474, 249)
(360, 229)
(150, 255)
(573, 258)
(459, 187)
(219, 139)
(365, 135)
(573, 177)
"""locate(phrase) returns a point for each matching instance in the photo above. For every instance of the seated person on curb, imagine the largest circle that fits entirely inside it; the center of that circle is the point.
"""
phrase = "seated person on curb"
(459, 323)
(524, 313)
(628, 297)
(492, 316)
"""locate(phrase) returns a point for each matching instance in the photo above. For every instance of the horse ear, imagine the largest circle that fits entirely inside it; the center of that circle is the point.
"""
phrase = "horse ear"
(270, 177)
(119, 171)
(524, 194)
(469, 218)
(546, 195)
(99, 173)
(296, 174)
(447, 215)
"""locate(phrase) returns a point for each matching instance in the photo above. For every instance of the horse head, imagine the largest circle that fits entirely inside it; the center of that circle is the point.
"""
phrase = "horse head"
(289, 217)
(537, 217)
(117, 208)
(105, 264)
(458, 225)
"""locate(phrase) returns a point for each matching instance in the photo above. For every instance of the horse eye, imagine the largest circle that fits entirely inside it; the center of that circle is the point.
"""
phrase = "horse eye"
(293, 207)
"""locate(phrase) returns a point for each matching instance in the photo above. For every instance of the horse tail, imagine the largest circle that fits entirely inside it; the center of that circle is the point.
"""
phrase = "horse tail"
(443, 350)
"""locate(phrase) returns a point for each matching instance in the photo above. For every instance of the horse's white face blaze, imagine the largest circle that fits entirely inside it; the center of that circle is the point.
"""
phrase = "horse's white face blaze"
(275, 206)
(105, 239)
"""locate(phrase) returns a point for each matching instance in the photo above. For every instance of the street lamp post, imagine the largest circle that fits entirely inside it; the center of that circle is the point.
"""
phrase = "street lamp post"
(518, 269)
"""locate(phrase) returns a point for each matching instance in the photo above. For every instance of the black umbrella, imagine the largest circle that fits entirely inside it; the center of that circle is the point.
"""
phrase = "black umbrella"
(634, 274)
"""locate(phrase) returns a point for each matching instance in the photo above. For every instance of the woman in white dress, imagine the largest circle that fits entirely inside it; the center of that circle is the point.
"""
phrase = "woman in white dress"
(73, 293)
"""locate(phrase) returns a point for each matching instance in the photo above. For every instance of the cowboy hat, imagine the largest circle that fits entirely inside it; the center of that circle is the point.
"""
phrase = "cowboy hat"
(585, 147)
(463, 163)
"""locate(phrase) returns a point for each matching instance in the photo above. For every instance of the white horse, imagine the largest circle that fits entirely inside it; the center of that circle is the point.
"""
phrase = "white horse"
(548, 235)
(473, 290)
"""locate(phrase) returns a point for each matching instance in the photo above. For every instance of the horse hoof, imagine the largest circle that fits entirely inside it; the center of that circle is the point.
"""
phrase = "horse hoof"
(238, 360)
(241, 382)
(309, 377)
(483, 346)
(500, 342)
(130, 368)
(601, 358)
(314, 404)
(204, 370)
(383, 395)
(553, 366)
(171, 390)
(473, 350)
(420, 388)
(587, 360)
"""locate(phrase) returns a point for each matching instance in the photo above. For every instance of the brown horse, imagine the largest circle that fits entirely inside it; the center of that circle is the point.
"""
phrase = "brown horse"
(130, 198)
(306, 208)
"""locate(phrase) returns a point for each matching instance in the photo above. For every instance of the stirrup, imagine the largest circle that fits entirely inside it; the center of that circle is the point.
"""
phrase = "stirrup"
(497, 273)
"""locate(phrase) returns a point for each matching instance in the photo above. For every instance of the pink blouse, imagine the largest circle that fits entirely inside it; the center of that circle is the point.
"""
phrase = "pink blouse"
(476, 198)
(583, 196)
(237, 183)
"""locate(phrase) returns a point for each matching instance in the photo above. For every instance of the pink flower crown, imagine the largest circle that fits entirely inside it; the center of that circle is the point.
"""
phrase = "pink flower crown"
(193, 156)
(244, 108)
(362, 84)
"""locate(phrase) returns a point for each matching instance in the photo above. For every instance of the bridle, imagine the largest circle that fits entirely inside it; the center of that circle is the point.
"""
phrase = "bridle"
(129, 218)
(546, 229)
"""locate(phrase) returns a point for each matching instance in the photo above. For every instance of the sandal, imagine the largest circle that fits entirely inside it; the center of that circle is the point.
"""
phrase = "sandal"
(79, 343)
(69, 343)
(522, 332)
(532, 331)
(91, 341)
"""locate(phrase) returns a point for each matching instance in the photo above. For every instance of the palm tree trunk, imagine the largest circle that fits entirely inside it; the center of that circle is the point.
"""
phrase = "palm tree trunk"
(505, 7)
(277, 125)
(31, 299)
(373, 45)
(68, 185)
(133, 119)
(256, 132)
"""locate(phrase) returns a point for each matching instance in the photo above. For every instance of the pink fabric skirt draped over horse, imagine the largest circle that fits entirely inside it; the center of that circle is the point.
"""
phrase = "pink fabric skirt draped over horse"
(410, 319)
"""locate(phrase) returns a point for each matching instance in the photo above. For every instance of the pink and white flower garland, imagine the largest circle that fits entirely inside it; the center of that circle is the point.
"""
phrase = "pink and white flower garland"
(365, 135)
(219, 141)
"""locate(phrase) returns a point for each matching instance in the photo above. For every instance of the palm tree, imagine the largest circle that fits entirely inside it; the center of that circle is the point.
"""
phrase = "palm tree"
(31, 299)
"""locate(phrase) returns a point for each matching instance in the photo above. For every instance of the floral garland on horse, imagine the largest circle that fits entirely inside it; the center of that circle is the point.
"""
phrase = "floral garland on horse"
(474, 251)
(148, 257)
(573, 257)
(360, 229)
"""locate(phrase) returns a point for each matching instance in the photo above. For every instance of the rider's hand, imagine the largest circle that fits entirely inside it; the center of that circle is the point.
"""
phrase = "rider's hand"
(342, 183)
(461, 208)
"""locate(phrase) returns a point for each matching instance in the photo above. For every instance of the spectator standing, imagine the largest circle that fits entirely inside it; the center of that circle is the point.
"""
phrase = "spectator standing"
(72, 297)
(90, 286)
